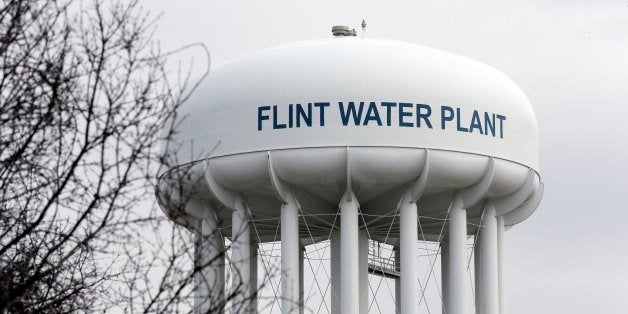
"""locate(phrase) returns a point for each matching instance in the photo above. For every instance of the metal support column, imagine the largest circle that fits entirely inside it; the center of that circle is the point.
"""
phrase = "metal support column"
(349, 252)
(290, 248)
(209, 261)
(243, 262)
(489, 296)
(500, 264)
(444, 274)
(409, 256)
(211, 277)
(301, 270)
(200, 283)
(477, 262)
(363, 260)
(397, 282)
(334, 245)
(458, 278)
(253, 245)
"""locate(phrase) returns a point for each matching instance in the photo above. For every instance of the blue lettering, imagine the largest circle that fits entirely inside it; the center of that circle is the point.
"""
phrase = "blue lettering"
(445, 118)
(261, 117)
(344, 114)
(501, 125)
(372, 114)
(275, 124)
(357, 113)
(321, 113)
(290, 118)
(403, 114)
(460, 129)
(307, 118)
(389, 106)
(475, 122)
(423, 116)
(489, 123)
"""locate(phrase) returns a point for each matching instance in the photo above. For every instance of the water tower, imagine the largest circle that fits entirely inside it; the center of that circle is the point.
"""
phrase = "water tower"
(354, 141)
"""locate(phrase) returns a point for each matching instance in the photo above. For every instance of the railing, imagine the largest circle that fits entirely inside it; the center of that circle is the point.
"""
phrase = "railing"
(382, 261)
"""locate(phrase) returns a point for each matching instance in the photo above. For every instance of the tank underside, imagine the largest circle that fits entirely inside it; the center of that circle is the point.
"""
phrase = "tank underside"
(378, 177)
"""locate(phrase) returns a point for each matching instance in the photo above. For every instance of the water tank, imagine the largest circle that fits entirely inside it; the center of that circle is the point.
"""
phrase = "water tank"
(349, 139)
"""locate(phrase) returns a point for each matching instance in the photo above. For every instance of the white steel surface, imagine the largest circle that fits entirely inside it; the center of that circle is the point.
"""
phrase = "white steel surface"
(397, 285)
(478, 280)
(201, 299)
(363, 283)
(290, 247)
(489, 297)
(408, 252)
(243, 262)
(444, 272)
(213, 247)
(335, 247)
(253, 287)
(301, 282)
(349, 250)
(209, 246)
(225, 108)
(501, 242)
(458, 278)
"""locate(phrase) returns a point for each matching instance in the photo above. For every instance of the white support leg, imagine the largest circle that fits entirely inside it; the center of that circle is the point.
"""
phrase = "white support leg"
(500, 264)
(397, 283)
(458, 278)
(215, 273)
(200, 283)
(408, 251)
(477, 262)
(349, 250)
(301, 270)
(444, 273)
(363, 260)
(290, 248)
(489, 296)
(334, 244)
(242, 262)
(209, 258)
(253, 245)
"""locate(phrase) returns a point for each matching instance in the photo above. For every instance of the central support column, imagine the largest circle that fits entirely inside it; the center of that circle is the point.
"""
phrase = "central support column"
(349, 253)
(290, 247)
(458, 283)
(409, 256)
(489, 296)
(244, 262)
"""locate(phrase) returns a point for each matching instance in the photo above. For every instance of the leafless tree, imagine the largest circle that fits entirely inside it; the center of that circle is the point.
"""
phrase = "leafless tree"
(84, 96)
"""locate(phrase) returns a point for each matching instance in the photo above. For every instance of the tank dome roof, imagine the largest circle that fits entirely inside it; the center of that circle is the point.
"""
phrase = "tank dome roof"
(350, 91)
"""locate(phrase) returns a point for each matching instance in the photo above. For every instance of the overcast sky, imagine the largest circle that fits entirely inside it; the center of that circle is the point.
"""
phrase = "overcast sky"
(571, 60)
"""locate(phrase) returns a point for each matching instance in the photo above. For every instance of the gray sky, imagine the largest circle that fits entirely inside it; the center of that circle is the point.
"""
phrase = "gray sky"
(569, 57)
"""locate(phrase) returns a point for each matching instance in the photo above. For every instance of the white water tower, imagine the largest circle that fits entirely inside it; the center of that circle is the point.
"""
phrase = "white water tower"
(357, 142)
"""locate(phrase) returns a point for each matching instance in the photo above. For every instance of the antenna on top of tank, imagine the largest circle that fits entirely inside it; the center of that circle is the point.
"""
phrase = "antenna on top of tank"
(363, 28)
